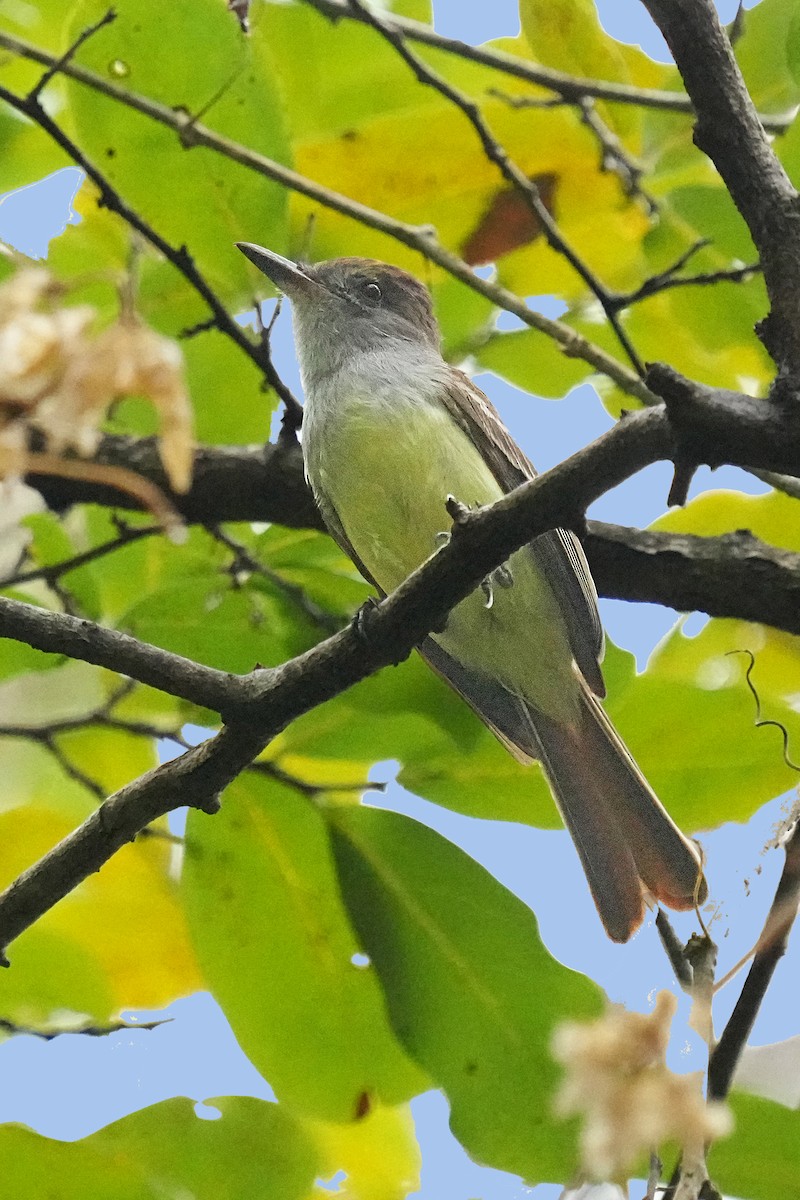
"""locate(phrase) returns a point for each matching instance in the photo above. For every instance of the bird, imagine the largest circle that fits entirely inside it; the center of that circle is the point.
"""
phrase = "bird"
(390, 431)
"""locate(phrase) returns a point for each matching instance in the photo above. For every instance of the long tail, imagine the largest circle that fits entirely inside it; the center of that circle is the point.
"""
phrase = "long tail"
(627, 841)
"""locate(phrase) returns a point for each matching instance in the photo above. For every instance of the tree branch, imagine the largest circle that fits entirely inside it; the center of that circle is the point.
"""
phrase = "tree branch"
(733, 576)
(771, 948)
(61, 633)
(31, 107)
(229, 483)
(570, 87)
(736, 575)
(729, 131)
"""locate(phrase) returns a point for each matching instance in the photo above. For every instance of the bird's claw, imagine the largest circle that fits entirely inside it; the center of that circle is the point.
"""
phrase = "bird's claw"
(363, 616)
(502, 577)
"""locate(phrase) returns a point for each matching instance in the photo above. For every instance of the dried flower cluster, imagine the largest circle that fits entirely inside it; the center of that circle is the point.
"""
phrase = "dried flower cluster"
(59, 377)
(617, 1078)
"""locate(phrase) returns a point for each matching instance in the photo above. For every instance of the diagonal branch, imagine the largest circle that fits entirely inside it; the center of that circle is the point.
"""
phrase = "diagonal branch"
(419, 238)
(243, 560)
(771, 948)
(61, 633)
(729, 131)
(51, 573)
(31, 107)
(258, 706)
(497, 155)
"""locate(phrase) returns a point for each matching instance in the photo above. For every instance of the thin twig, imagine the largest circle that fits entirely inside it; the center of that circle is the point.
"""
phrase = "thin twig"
(674, 950)
(569, 87)
(69, 53)
(509, 170)
(772, 947)
(671, 278)
(56, 570)
(69, 768)
(613, 154)
(615, 157)
(180, 258)
(244, 560)
(312, 790)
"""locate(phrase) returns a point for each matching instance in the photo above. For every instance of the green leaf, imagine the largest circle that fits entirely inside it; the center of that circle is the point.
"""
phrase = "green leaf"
(761, 1158)
(205, 618)
(201, 200)
(28, 153)
(471, 990)
(793, 47)
(167, 1151)
(118, 941)
(715, 766)
(533, 361)
(567, 35)
(763, 52)
(269, 927)
(17, 658)
(370, 77)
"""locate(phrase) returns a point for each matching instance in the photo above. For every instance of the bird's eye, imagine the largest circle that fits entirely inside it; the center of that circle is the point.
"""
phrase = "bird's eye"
(372, 291)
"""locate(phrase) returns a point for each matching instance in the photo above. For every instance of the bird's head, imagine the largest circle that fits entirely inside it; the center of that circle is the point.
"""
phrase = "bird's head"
(346, 306)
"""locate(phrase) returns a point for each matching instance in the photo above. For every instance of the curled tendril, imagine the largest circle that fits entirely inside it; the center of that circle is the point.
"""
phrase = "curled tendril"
(762, 722)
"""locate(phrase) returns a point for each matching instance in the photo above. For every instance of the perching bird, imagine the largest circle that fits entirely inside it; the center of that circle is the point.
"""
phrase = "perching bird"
(389, 431)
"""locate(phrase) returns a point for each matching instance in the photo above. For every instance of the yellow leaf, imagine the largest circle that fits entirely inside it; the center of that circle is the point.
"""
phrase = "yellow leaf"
(118, 941)
(425, 166)
(379, 1155)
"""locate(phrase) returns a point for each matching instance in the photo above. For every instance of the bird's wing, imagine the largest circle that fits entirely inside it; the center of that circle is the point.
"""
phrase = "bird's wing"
(337, 532)
(557, 553)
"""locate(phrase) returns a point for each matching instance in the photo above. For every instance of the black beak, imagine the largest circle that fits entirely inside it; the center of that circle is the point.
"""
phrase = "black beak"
(288, 277)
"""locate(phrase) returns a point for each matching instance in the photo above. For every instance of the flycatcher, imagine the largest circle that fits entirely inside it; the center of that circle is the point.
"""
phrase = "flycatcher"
(389, 430)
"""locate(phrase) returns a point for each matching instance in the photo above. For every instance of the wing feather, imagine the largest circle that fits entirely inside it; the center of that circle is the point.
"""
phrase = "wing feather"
(558, 553)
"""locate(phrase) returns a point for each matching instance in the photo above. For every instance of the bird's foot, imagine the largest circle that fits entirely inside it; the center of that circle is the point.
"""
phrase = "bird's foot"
(363, 616)
(501, 577)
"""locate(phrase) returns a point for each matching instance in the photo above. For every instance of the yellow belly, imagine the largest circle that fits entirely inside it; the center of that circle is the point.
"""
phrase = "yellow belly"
(388, 480)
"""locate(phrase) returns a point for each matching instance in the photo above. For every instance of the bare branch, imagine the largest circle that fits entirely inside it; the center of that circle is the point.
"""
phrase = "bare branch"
(54, 571)
(60, 633)
(697, 574)
(731, 576)
(687, 402)
(69, 53)
(613, 154)
(671, 278)
(771, 948)
(229, 483)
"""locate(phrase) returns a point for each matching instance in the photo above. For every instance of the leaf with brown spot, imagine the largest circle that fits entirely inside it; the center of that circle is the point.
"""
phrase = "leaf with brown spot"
(508, 223)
